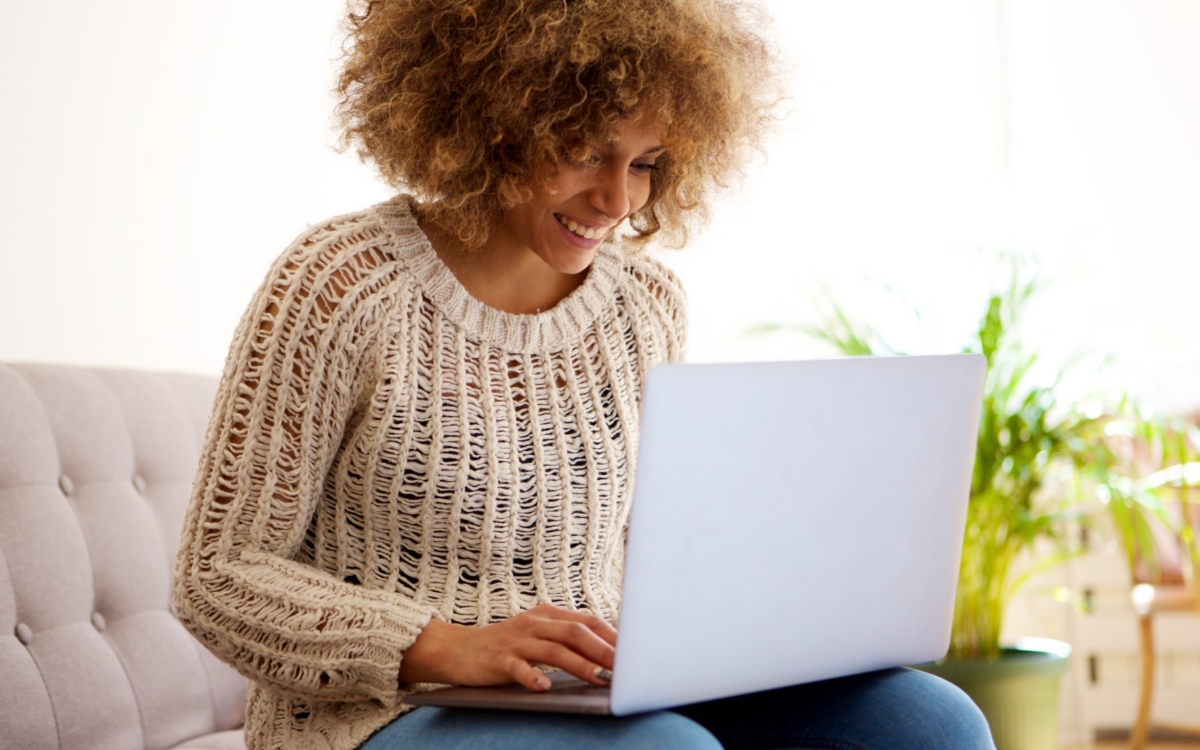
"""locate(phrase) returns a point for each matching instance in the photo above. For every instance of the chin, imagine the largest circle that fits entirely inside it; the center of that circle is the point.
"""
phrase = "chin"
(568, 260)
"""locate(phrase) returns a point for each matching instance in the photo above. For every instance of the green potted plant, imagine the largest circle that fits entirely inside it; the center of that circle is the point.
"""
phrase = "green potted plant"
(1036, 458)
(1025, 435)
(1039, 462)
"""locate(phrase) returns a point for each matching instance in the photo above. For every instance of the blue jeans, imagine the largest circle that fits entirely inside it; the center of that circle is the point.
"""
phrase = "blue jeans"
(894, 709)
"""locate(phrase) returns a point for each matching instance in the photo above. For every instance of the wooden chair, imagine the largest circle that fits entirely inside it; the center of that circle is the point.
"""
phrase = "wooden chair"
(1169, 588)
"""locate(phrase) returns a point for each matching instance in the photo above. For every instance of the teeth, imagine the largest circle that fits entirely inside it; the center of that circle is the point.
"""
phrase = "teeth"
(579, 229)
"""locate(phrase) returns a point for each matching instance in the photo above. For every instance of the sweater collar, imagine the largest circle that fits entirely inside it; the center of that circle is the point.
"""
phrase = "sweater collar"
(548, 330)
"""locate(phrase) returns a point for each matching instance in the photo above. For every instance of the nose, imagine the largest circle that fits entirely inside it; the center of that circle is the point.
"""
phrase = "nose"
(610, 193)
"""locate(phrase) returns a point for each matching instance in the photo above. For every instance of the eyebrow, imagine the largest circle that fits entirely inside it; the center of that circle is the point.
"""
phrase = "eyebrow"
(652, 151)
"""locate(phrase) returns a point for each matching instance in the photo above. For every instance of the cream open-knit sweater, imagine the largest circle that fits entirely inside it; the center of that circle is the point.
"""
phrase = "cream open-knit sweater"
(384, 448)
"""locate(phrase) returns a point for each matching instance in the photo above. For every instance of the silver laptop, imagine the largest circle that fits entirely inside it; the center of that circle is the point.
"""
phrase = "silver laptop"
(791, 522)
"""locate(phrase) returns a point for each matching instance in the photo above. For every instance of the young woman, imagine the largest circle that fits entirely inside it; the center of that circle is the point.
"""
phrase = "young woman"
(419, 460)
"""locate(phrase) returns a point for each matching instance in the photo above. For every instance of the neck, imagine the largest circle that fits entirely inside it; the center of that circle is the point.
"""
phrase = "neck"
(502, 274)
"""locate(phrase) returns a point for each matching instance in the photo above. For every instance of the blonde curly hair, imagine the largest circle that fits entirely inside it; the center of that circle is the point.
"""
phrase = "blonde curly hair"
(466, 103)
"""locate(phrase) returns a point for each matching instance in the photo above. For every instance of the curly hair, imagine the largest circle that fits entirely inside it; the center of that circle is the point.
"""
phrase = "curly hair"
(466, 103)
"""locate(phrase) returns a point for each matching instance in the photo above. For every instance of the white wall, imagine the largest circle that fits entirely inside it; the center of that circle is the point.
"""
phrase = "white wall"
(886, 169)
(925, 135)
(157, 157)
(1106, 114)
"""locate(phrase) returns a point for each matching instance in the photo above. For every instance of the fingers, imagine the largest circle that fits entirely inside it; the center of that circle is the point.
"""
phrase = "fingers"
(557, 655)
(593, 623)
(599, 627)
(578, 638)
(522, 672)
(576, 642)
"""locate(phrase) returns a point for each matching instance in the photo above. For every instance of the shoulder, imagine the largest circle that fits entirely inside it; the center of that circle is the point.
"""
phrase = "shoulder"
(657, 292)
(363, 237)
(332, 284)
(344, 258)
(649, 275)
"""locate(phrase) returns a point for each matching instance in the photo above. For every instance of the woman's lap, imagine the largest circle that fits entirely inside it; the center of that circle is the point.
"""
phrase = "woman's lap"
(897, 709)
(482, 729)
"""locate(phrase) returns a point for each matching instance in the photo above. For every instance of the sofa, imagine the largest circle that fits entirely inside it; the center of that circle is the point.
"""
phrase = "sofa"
(96, 467)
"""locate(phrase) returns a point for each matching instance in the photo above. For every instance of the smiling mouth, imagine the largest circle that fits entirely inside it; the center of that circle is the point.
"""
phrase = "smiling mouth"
(588, 233)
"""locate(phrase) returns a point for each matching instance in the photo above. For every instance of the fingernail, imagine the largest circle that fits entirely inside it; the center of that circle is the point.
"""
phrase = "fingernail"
(603, 674)
(543, 682)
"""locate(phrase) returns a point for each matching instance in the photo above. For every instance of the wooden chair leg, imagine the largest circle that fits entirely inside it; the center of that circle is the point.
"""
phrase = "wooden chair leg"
(1141, 729)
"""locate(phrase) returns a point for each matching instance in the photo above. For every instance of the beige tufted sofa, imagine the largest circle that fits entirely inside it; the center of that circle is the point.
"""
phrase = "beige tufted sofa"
(95, 471)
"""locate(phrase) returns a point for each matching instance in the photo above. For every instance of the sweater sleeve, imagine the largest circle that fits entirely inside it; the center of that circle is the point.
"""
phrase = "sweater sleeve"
(299, 361)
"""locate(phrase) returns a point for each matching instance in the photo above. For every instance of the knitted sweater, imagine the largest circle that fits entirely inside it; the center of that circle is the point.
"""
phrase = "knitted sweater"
(384, 449)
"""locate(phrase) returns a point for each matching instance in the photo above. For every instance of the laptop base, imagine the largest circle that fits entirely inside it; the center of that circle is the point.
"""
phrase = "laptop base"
(567, 694)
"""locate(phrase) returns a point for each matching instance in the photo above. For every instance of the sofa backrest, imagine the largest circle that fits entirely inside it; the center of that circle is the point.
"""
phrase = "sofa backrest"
(96, 467)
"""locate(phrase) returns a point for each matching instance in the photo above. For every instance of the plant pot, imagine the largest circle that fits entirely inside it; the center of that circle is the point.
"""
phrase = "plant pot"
(1018, 693)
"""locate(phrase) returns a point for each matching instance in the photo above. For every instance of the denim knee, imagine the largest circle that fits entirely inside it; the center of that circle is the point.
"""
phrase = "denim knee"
(940, 715)
(663, 730)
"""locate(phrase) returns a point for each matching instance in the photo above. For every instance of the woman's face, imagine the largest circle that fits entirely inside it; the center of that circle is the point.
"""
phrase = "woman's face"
(570, 216)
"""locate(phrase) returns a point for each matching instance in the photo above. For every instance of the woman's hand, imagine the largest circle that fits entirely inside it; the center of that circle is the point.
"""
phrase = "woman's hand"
(575, 642)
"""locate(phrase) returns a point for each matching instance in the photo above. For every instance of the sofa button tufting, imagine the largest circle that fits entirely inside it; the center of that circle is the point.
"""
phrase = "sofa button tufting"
(66, 485)
(99, 622)
(139, 484)
(24, 634)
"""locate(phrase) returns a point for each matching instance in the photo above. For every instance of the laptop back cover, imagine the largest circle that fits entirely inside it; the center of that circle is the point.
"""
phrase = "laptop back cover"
(792, 522)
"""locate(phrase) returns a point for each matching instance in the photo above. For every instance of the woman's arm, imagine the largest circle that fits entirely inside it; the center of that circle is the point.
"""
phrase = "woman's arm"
(288, 390)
